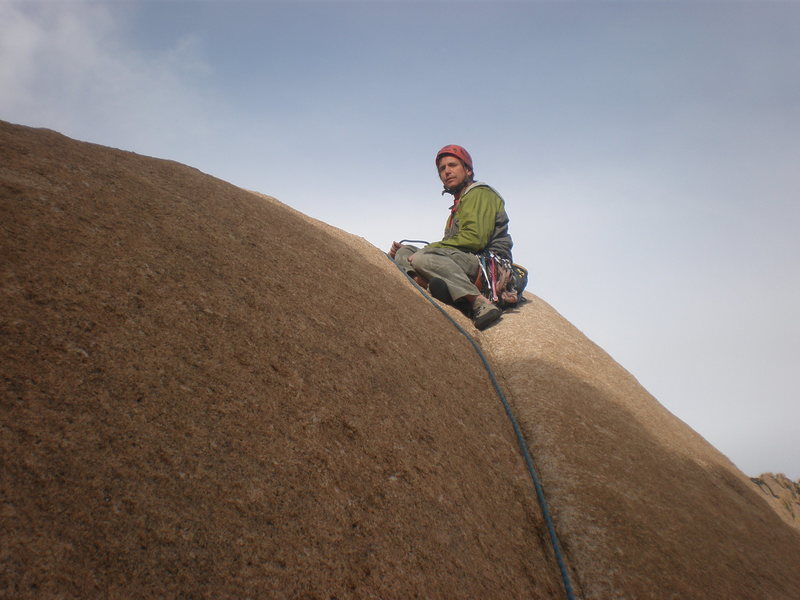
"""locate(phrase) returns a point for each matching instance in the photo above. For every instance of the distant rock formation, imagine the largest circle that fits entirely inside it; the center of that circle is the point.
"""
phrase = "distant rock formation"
(783, 494)
(200, 400)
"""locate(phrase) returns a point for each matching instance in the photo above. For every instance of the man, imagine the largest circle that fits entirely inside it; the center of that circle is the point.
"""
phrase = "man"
(477, 222)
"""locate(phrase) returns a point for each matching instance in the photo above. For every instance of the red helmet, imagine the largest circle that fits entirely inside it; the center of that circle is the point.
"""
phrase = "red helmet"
(457, 151)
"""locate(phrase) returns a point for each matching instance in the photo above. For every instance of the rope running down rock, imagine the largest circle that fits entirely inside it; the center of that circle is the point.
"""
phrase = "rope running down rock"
(523, 446)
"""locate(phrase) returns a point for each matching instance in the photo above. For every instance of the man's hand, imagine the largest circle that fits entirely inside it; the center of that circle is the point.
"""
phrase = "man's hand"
(393, 250)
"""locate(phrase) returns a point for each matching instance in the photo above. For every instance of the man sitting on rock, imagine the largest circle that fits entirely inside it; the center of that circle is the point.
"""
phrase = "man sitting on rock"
(477, 222)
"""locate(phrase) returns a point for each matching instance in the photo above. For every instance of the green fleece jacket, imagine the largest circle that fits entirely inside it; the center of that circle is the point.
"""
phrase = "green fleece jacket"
(479, 222)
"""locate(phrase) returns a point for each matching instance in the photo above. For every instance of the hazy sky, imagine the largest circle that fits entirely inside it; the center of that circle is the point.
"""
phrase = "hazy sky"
(648, 153)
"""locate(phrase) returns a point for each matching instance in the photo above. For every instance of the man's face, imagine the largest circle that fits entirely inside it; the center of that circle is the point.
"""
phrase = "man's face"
(452, 171)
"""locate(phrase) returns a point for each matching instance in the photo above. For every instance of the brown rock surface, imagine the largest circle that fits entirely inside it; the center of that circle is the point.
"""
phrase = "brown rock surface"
(200, 401)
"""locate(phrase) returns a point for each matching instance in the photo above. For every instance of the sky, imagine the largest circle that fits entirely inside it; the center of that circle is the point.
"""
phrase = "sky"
(647, 152)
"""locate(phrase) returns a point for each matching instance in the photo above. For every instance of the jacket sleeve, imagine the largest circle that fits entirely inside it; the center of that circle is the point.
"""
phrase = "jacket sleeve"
(476, 215)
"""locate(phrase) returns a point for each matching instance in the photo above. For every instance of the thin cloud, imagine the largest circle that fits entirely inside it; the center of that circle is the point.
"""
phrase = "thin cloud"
(66, 66)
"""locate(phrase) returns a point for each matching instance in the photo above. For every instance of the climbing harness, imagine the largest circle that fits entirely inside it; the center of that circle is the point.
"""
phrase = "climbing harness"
(523, 446)
(502, 281)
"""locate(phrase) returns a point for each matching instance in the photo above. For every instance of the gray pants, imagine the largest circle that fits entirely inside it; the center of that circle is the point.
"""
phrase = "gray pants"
(456, 268)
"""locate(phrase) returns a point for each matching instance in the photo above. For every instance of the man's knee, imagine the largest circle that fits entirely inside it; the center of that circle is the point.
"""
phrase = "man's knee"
(421, 258)
(402, 255)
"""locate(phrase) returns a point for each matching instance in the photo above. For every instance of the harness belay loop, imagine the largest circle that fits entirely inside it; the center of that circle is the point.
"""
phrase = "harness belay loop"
(501, 281)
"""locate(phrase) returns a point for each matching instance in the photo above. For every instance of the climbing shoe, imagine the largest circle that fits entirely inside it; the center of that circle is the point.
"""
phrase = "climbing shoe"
(484, 313)
(438, 289)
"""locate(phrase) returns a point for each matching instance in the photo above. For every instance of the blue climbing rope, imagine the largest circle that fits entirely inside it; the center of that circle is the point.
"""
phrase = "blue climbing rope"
(523, 446)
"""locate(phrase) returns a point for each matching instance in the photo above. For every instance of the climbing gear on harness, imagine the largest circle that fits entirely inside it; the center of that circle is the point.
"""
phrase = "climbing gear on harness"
(500, 281)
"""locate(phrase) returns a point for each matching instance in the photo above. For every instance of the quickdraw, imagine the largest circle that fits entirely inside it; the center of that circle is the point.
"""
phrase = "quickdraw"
(501, 281)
